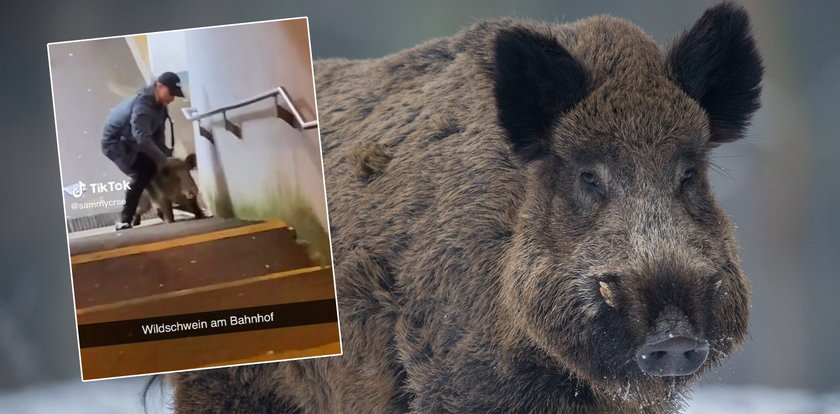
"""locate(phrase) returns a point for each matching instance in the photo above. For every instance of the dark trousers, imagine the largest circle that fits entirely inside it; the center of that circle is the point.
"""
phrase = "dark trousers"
(142, 171)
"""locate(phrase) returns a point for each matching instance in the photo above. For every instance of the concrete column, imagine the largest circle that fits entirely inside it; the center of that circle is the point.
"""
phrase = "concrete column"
(273, 170)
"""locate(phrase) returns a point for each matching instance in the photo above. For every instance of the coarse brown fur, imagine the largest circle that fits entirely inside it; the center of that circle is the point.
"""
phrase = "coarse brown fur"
(172, 187)
(491, 260)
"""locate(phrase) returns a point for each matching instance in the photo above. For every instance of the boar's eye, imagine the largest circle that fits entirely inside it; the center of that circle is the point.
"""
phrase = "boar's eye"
(593, 183)
(686, 176)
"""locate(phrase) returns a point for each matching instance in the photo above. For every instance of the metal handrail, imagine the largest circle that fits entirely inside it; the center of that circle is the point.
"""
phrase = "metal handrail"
(191, 115)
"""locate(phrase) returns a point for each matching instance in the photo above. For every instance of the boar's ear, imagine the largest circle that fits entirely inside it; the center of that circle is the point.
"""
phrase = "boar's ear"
(536, 81)
(190, 160)
(717, 64)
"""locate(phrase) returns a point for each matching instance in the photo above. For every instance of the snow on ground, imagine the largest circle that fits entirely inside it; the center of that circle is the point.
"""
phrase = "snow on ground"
(123, 396)
(118, 396)
(713, 399)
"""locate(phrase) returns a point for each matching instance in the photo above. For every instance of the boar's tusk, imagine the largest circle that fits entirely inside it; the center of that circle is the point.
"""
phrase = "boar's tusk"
(606, 293)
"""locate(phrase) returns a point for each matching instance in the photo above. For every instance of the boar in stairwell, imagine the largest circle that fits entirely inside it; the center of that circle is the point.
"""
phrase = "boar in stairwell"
(172, 188)
(522, 222)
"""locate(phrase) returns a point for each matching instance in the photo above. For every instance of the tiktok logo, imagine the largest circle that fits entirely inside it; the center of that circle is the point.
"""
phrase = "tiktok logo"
(76, 190)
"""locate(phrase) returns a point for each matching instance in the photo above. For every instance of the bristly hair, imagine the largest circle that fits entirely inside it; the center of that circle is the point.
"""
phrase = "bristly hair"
(536, 81)
(153, 380)
(717, 63)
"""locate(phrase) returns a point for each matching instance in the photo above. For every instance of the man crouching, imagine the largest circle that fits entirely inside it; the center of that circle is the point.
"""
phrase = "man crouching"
(134, 135)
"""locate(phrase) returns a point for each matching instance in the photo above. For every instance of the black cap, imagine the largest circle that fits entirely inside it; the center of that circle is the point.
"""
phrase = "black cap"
(173, 82)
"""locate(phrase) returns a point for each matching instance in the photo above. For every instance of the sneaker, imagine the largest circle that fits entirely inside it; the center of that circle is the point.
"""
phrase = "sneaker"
(123, 226)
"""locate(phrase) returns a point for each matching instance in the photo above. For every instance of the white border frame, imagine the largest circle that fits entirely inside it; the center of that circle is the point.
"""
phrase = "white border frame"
(323, 181)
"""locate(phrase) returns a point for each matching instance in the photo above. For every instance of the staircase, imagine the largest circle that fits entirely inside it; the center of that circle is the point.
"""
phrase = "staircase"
(191, 270)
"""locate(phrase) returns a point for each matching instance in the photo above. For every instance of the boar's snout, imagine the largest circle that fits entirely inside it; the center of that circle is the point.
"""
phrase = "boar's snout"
(672, 349)
(190, 193)
(676, 356)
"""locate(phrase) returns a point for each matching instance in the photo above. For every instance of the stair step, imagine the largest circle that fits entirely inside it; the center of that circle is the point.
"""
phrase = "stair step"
(179, 263)
(297, 285)
(212, 350)
(149, 234)
(199, 267)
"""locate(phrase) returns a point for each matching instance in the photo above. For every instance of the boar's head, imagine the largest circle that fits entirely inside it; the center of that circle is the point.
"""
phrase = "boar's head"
(624, 269)
(175, 178)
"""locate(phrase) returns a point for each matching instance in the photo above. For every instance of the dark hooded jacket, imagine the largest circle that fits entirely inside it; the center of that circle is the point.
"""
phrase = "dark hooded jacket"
(136, 125)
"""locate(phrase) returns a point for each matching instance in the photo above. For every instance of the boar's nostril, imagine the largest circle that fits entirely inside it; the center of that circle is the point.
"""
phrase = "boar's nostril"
(655, 355)
(674, 356)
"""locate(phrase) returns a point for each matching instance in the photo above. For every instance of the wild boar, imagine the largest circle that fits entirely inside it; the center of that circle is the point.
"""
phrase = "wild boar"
(172, 187)
(522, 222)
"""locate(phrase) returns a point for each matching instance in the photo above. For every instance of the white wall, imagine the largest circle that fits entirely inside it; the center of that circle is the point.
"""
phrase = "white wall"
(272, 162)
(168, 53)
(89, 78)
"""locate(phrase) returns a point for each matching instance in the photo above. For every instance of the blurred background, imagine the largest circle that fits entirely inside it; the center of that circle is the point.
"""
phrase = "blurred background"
(781, 184)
